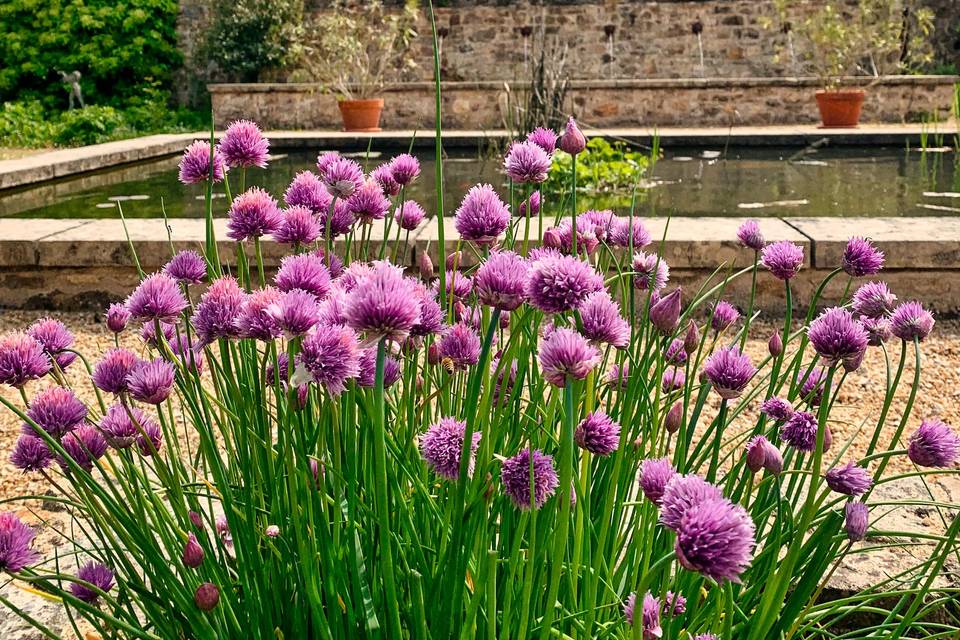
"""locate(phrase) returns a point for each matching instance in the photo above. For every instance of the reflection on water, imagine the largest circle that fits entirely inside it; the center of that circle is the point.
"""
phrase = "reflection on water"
(879, 181)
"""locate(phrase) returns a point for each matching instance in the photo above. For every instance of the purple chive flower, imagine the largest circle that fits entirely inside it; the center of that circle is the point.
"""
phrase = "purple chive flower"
(783, 259)
(255, 320)
(151, 382)
(195, 163)
(534, 201)
(405, 168)
(216, 314)
(207, 596)
(836, 336)
(431, 316)
(675, 353)
(186, 267)
(304, 271)
(856, 520)
(367, 377)
(254, 213)
(295, 312)
(566, 354)
(300, 226)
(910, 320)
(598, 434)
(55, 338)
(57, 411)
(482, 216)
(811, 387)
(84, 445)
(96, 574)
(625, 233)
(618, 376)
(674, 604)
(516, 472)
(777, 409)
(665, 312)
(861, 258)
(572, 141)
(244, 145)
(800, 431)
(148, 332)
(602, 322)
(716, 538)
(409, 215)
(724, 315)
(192, 555)
(458, 285)
(325, 159)
(342, 177)
(561, 283)
(110, 374)
(651, 272)
(15, 540)
(156, 298)
(368, 202)
(526, 162)
(704, 636)
(384, 177)
(729, 371)
(544, 138)
(383, 303)
(30, 453)
(673, 380)
(934, 444)
(117, 317)
(123, 427)
(331, 355)
(460, 346)
(655, 473)
(879, 330)
(749, 235)
(500, 281)
(442, 444)
(681, 493)
(873, 300)
(21, 359)
(850, 479)
(650, 614)
(307, 190)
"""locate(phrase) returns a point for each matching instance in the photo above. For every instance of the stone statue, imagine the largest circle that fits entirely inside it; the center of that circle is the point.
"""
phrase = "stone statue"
(72, 80)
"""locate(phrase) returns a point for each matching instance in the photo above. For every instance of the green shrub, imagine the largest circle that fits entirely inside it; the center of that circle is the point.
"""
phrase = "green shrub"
(89, 125)
(23, 124)
(246, 37)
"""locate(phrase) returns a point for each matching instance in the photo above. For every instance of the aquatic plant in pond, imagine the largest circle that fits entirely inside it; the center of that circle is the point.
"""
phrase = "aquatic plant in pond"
(539, 435)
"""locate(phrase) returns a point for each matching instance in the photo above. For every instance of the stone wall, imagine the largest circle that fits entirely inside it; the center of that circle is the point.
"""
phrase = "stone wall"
(608, 103)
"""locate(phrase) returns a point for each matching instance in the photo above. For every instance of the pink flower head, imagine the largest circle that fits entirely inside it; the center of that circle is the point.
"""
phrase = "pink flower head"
(57, 411)
(156, 298)
(654, 476)
(572, 141)
(629, 234)
(405, 168)
(368, 202)
(783, 259)
(500, 281)
(117, 317)
(458, 284)
(331, 355)
(15, 540)
(836, 336)
(244, 145)
(367, 377)
(409, 215)
(307, 190)
(602, 322)
(384, 177)
(325, 159)
(84, 445)
(460, 346)
(729, 371)
(681, 493)
(598, 434)
(111, 372)
(850, 479)
(30, 453)
(254, 213)
(873, 300)
(300, 226)
(527, 162)
(651, 271)
(533, 201)
(195, 163)
(556, 284)
(934, 444)
(723, 315)
(304, 271)
(861, 258)
(296, 312)
(383, 303)
(340, 221)
(482, 215)
(442, 445)
(187, 267)
(544, 138)
(716, 539)
(749, 235)
(565, 354)
(910, 320)
(342, 177)
(55, 339)
(216, 315)
(520, 472)
(151, 382)
(255, 320)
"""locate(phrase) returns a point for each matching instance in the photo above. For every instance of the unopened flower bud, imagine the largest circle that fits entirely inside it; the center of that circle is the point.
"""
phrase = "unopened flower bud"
(206, 596)
(272, 531)
(195, 519)
(426, 266)
(192, 552)
(572, 141)
(666, 312)
(453, 260)
(692, 340)
(775, 344)
(674, 418)
(856, 520)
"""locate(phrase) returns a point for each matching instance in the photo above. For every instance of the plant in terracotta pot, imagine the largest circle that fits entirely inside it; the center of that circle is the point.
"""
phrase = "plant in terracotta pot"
(861, 38)
(354, 49)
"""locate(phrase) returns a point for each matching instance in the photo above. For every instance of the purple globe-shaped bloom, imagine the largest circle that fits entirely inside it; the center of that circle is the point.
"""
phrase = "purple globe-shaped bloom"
(850, 479)
(458, 284)
(673, 379)
(500, 281)
(158, 297)
(187, 267)
(409, 215)
(195, 163)
(482, 216)
(716, 539)
(342, 177)
(331, 355)
(629, 234)
(856, 520)
(654, 476)
(861, 258)
(255, 319)
(729, 371)
(405, 168)
(122, 426)
(649, 615)
(117, 317)
(95, 574)
(811, 386)
(544, 138)
(783, 259)
(304, 271)
(57, 411)
(254, 213)
(534, 200)
(675, 353)
(307, 190)
(674, 604)
(836, 336)
(55, 338)
(151, 382)
(749, 235)
(934, 444)
(526, 162)
(442, 445)
(601, 221)
(681, 493)
(367, 377)
(30, 453)
(296, 312)
(325, 159)
(572, 141)
(216, 315)
(556, 284)
(873, 300)
(564, 355)
(110, 374)
(724, 315)
(300, 226)
(244, 145)
(15, 540)
(21, 359)
(516, 473)
(83, 445)
(383, 304)
(879, 330)
(910, 320)
(460, 346)
(384, 177)
(431, 315)
(598, 433)
(651, 272)
(368, 202)
(601, 320)
(777, 409)
(800, 431)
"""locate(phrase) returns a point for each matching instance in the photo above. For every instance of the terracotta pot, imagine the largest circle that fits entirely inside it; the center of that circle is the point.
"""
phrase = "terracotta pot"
(840, 108)
(361, 115)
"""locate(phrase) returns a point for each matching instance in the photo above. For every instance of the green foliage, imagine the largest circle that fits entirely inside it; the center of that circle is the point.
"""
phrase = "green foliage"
(604, 169)
(89, 125)
(22, 124)
(247, 37)
(119, 46)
